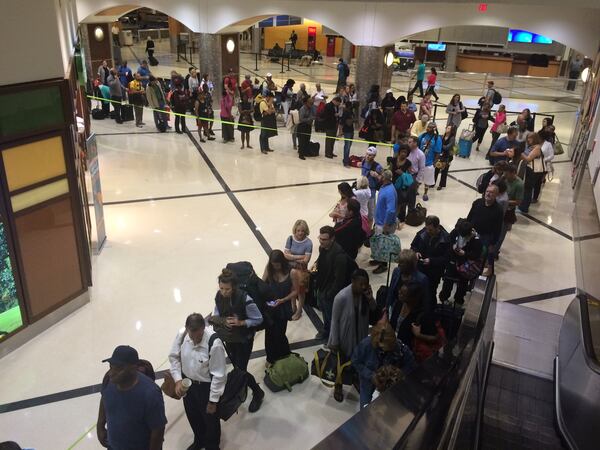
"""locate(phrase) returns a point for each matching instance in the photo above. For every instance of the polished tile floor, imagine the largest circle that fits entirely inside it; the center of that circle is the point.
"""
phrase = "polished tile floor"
(176, 213)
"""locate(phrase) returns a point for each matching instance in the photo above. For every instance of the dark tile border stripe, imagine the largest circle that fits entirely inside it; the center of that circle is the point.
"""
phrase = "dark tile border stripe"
(206, 194)
(542, 296)
(142, 132)
(587, 237)
(529, 216)
(96, 388)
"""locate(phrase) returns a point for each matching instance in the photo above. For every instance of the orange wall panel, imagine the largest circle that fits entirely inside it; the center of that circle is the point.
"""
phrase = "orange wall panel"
(282, 34)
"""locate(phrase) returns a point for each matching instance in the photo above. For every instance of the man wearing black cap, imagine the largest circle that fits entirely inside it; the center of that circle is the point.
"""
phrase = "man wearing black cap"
(132, 404)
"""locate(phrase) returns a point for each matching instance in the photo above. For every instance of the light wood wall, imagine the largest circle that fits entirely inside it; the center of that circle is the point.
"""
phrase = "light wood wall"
(282, 34)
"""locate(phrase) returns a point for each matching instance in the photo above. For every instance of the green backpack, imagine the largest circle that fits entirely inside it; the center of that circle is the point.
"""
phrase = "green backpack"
(286, 372)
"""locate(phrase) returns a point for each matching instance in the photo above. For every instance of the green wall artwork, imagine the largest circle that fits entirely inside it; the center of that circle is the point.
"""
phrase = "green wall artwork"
(10, 312)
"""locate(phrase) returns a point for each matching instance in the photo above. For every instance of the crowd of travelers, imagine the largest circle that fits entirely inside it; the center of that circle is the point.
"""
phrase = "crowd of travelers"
(382, 336)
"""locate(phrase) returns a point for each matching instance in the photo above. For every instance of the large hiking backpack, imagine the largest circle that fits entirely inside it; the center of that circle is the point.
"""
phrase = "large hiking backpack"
(286, 372)
(255, 287)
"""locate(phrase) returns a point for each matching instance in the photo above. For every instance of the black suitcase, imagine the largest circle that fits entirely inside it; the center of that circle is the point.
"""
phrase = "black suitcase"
(98, 114)
(126, 113)
(152, 60)
(313, 149)
(381, 296)
(450, 318)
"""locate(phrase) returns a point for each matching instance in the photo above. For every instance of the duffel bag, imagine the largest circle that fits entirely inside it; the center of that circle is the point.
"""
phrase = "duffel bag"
(286, 372)
(332, 368)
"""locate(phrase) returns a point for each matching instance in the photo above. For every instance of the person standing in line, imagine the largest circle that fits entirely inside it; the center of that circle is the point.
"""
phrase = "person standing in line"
(381, 348)
(116, 93)
(144, 72)
(332, 269)
(426, 106)
(446, 156)
(103, 72)
(246, 88)
(179, 105)
(330, 123)
(202, 115)
(245, 121)
(198, 354)
(385, 212)
(514, 189)
(499, 120)
(234, 318)
(408, 274)
(486, 216)
(431, 80)
(432, 247)
(402, 121)
(306, 116)
(574, 73)
(125, 74)
(455, 110)
(430, 144)
(372, 170)
(399, 165)
(481, 119)
(268, 123)
(489, 94)
(132, 406)
(287, 95)
(347, 124)
(278, 276)
(420, 78)
(420, 126)
(339, 212)
(226, 117)
(500, 150)
(350, 319)
(319, 96)
(533, 158)
(157, 101)
(298, 250)
(115, 34)
(349, 232)
(137, 97)
(417, 169)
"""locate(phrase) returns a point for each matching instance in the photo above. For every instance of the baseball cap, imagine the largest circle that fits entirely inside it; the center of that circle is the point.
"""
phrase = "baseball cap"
(389, 91)
(372, 151)
(123, 355)
(269, 74)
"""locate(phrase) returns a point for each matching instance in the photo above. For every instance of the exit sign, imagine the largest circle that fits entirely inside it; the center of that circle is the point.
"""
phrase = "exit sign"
(483, 7)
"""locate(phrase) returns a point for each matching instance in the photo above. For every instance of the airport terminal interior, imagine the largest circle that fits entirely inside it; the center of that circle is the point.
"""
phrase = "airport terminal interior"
(112, 234)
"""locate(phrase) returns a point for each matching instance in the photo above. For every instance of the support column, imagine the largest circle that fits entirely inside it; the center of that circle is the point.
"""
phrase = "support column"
(174, 30)
(451, 55)
(346, 50)
(97, 51)
(370, 70)
(215, 59)
(256, 39)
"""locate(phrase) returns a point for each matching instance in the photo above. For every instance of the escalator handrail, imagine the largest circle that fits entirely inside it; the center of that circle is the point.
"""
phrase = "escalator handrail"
(586, 333)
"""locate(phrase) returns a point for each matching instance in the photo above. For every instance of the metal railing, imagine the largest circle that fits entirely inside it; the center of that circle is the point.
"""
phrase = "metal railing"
(185, 51)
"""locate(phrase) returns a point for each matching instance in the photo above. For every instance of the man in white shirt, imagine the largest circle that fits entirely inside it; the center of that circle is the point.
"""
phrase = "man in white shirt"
(319, 96)
(199, 355)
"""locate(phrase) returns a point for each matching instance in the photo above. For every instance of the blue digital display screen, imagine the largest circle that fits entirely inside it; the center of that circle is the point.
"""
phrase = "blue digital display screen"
(527, 37)
(436, 47)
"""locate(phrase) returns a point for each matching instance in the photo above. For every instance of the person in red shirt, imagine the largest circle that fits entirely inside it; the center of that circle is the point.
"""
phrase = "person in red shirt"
(246, 88)
(431, 80)
(402, 120)
(231, 81)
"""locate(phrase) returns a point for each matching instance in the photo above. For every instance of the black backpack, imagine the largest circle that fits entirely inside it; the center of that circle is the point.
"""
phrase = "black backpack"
(257, 114)
(255, 287)
(346, 70)
(497, 99)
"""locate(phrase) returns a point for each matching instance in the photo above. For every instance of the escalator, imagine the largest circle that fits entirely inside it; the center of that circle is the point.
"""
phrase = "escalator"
(458, 399)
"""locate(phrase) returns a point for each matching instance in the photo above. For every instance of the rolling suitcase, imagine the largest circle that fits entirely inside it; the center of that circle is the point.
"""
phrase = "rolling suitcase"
(464, 148)
(381, 296)
(313, 149)
(127, 112)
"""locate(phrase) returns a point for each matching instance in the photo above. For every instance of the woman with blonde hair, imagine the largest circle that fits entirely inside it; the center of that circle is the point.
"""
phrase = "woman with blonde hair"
(381, 348)
(298, 250)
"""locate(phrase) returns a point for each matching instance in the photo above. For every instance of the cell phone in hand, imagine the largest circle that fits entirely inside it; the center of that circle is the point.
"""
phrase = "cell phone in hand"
(272, 303)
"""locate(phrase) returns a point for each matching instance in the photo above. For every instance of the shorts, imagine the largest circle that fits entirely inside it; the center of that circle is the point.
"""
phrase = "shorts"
(429, 175)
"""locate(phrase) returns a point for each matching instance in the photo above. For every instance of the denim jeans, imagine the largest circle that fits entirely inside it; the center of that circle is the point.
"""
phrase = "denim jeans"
(326, 306)
(264, 141)
(347, 145)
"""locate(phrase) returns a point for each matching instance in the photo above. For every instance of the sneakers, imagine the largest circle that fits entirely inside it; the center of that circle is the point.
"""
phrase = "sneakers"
(425, 197)
(257, 399)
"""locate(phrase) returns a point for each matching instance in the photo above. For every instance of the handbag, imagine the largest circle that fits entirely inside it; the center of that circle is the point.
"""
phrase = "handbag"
(383, 246)
(404, 181)
(168, 385)
(363, 133)
(503, 128)
(464, 114)
(423, 350)
(469, 269)
(558, 148)
(332, 368)
(416, 217)
(440, 164)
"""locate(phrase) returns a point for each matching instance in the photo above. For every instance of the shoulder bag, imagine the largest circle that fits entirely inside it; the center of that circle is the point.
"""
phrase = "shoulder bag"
(168, 386)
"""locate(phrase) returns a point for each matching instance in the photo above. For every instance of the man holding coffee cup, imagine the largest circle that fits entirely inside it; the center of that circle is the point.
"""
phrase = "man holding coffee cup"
(199, 371)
